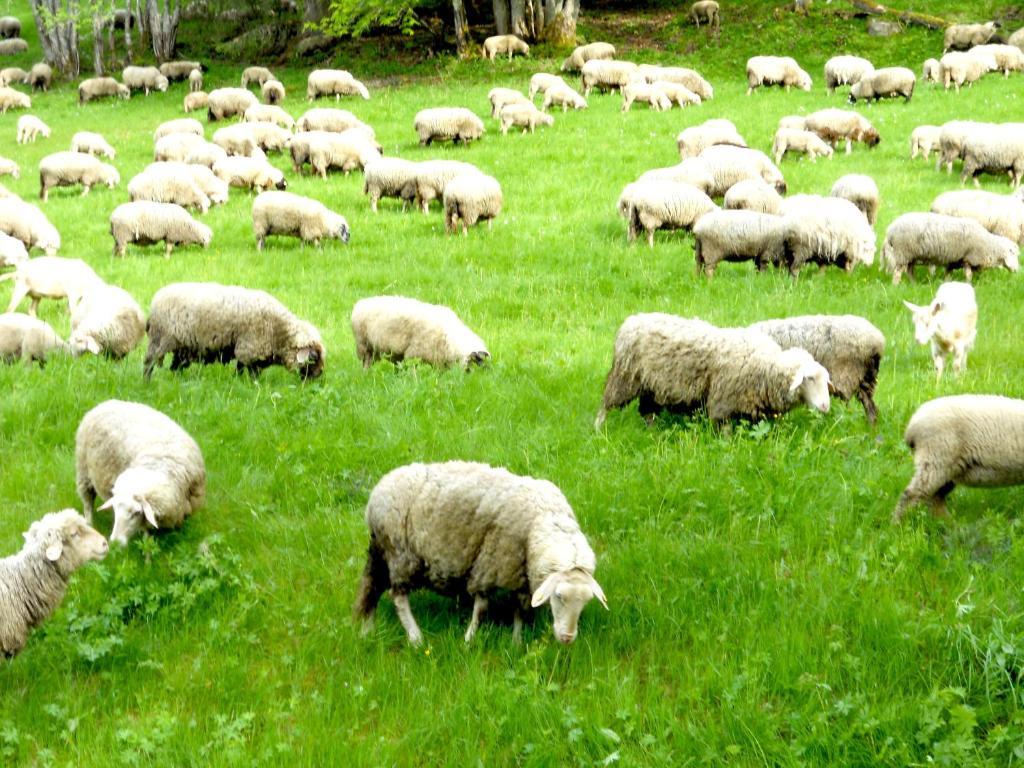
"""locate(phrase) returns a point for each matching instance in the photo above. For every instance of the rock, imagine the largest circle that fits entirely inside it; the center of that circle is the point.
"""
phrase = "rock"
(878, 28)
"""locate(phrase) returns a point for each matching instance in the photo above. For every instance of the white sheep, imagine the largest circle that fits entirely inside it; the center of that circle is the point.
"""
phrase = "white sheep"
(68, 169)
(499, 97)
(106, 321)
(144, 78)
(455, 124)
(655, 205)
(541, 81)
(397, 328)
(1005, 58)
(179, 70)
(92, 144)
(923, 139)
(389, 177)
(884, 83)
(222, 103)
(607, 74)
(564, 97)
(931, 71)
(695, 139)
(964, 36)
(677, 93)
(581, 54)
(436, 525)
(9, 168)
(236, 139)
(689, 78)
(10, 75)
(285, 213)
(12, 99)
(40, 76)
(692, 171)
(148, 469)
(50, 277)
(272, 92)
(27, 339)
(329, 119)
(195, 81)
(952, 136)
(431, 178)
(845, 70)
(469, 198)
(836, 125)
(729, 164)
(959, 69)
(647, 93)
(999, 214)
(525, 116)
(998, 149)
(776, 70)
(168, 183)
(29, 224)
(144, 222)
(949, 323)
(176, 146)
(30, 128)
(249, 173)
(826, 231)
(706, 11)
(736, 236)
(499, 45)
(180, 125)
(205, 154)
(862, 191)
(12, 251)
(194, 101)
(212, 186)
(347, 151)
(268, 113)
(803, 142)
(258, 75)
(333, 82)
(753, 195)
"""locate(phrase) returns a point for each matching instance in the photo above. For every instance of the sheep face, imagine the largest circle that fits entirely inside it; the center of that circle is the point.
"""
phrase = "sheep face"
(925, 320)
(810, 383)
(871, 137)
(309, 361)
(803, 81)
(67, 538)
(568, 593)
(130, 500)
(81, 342)
(1011, 258)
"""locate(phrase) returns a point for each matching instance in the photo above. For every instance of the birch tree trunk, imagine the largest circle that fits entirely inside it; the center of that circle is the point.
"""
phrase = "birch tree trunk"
(97, 40)
(462, 41)
(57, 23)
(128, 33)
(163, 27)
(561, 27)
(501, 17)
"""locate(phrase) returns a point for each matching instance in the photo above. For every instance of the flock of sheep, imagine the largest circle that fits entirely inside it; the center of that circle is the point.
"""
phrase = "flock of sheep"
(466, 523)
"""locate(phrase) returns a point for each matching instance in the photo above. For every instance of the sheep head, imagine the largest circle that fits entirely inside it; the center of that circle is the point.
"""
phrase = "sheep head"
(568, 592)
(810, 380)
(66, 538)
(132, 500)
(925, 320)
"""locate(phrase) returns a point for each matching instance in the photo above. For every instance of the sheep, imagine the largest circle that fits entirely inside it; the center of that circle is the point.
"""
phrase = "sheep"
(167, 183)
(607, 74)
(648, 93)
(584, 53)
(389, 177)
(970, 440)
(688, 78)
(753, 195)
(695, 139)
(923, 139)
(236, 139)
(9, 168)
(845, 70)
(657, 205)
(145, 79)
(775, 70)
(249, 173)
(1006, 58)
(999, 214)
(1017, 39)
(268, 113)
(177, 146)
(12, 251)
(67, 169)
(862, 191)
(795, 122)
(30, 128)
(195, 81)
(960, 37)
(10, 75)
(431, 178)
(213, 323)
(706, 11)
(824, 231)
(258, 75)
(12, 99)
(676, 93)
(398, 328)
(33, 582)
(330, 120)
(206, 154)
(564, 97)
(13, 47)
(737, 236)
(107, 321)
(805, 142)
(208, 182)
(960, 69)
(50, 277)
(27, 340)
(99, 87)
(949, 324)
(729, 164)
(180, 125)
(228, 102)
(468, 198)
(887, 82)
(92, 144)
(952, 136)
(453, 124)
(935, 239)
(692, 171)
(180, 70)
(540, 82)
(835, 125)
(673, 363)
(931, 71)
(144, 222)
(272, 92)
(195, 100)
(526, 116)
(333, 82)
(40, 76)
(28, 224)
(269, 137)
(284, 213)
(499, 97)
(148, 469)
(10, 27)
(347, 151)
(499, 45)
(849, 347)
(999, 149)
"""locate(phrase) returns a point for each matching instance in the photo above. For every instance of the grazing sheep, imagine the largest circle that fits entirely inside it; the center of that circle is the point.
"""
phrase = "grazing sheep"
(1000, 214)
(195, 81)
(438, 525)
(952, 136)
(826, 231)
(101, 87)
(145, 79)
(27, 340)
(50, 277)
(959, 69)
(323, 150)
(222, 103)
(249, 173)
(284, 213)
(144, 222)
(92, 144)
(13, 47)
(10, 27)
(607, 74)
(330, 120)
(753, 195)
(584, 53)
(931, 72)
(835, 125)
(804, 142)
(9, 168)
(845, 70)
(10, 75)
(729, 164)
(776, 70)
(499, 97)
(389, 177)
(1007, 58)
(849, 347)
(258, 75)
(333, 82)
(525, 116)
(469, 198)
(431, 178)
(971, 440)
(180, 70)
(177, 146)
(564, 97)
(657, 205)
(149, 469)
(935, 239)
(688, 78)
(12, 99)
(949, 324)
(998, 149)
(33, 582)
(213, 323)
(207, 154)
(180, 125)
(676, 93)
(453, 124)
(692, 171)
(499, 45)
(107, 321)
(236, 139)
(647, 93)
(960, 37)
(268, 113)
(168, 183)
(923, 139)
(195, 101)
(737, 236)
(796, 122)
(706, 11)
(397, 328)
(30, 128)
(673, 363)
(211, 185)
(12, 251)
(68, 169)
(695, 139)
(272, 92)
(27, 223)
(862, 191)
(884, 83)
(539, 83)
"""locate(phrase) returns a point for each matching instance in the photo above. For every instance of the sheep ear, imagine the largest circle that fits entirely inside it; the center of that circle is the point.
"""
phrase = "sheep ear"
(108, 503)
(598, 593)
(911, 307)
(936, 307)
(93, 346)
(54, 548)
(804, 372)
(149, 513)
(545, 590)
(303, 355)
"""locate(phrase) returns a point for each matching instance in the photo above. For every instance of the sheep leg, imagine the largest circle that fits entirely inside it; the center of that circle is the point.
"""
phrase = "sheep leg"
(959, 359)
(401, 601)
(88, 496)
(20, 292)
(167, 251)
(479, 606)
(927, 484)
(939, 360)
(849, 146)
(33, 307)
(85, 189)
(967, 272)
(870, 409)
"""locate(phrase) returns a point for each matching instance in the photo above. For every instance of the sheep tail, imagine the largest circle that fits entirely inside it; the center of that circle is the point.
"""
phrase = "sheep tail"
(376, 580)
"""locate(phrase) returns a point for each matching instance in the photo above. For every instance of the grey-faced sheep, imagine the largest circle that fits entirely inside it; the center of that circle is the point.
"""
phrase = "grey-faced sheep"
(885, 83)
(669, 362)
(30, 128)
(826, 231)
(689, 78)
(949, 323)
(436, 525)
(998, 150)
(28, 224)
(862, 191)
(564, 97)
(249, 173)
(729, 164)
(999, 214)
(144, 79)
(213, 323)
(455, 124)
(144, 222)
(431, 178)
(389, 177)
(268, 113)
(92, 144)
(168, 183)
(695, 139)
(499, 45)
(737, 236)
(180, 70)
(10, 27)
(607, 75)
(12, 251)
(94, 88)
(27, 340)
(753, 195)
(647, 93)
(33, 582)
(584, 53)
(525, 116)
(180, 125)
(68, 169)
(656, 205)
(802, 142)
(333, 82)
(149, 469)
(12, 99)
(845, 70)
(923, 139)
(499, 97)
(776, 70)
(397, 328)
(329, 119)
(959, 69)
(272, 92)
(706, 11)
(106, 321)
(195, 100)
(960, 37)
(836, 125)
(195, 81)
(50, 277)
(470, 198)
(539, 83)
(284, 213)
(222, 103)
(258, 75)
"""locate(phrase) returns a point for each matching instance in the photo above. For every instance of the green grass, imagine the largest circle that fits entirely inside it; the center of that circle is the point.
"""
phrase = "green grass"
(763, 608)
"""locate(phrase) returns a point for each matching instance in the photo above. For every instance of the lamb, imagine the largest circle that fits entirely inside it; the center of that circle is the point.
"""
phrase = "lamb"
(180, 70)
(584, 53)
(845, 70)
(669, 362)
(50, 277)
(30, 128)
(177, 146)
(181, 125)
(706, 11)
(453, 124)
(145, 79)
(525, 116)
(272, 92)
(923, 139)
(564, 97)
(107, 321)
(333, 82)
(775, 70)
(12, 251)
(438, 525)
(499, 97)
(665, 205)
(222, 103)
(695, 139)
(211, 323)
(195, 100)
(389, 177)
(168, 183)
(753, 195)
(12, 99)
(13, 47)
(195, 81)
(99, 87)
(397, 328)
(971, 440)
(284, 213)
(960, 37)
(29, 225)
(499, 45)
(33, 582)
(431, 178)
(67, 169)
(149, 470)
(648, 93)
(805, 142)
(737, 236)
(887, 82)
(999, 214)
(10, 75)
(539, 83)
(469, 198)
(323, 150)
(330, 120)
(27, 340)
(688, 78)
(258, 75)
(268, 113)
(860, 190)
(10, 27)
(835, 125)
(607, 74)
(1006, 58)
(947, 241)
(92, 144)
(952, 136)
(931, 71)
(729, 164)
(849, 347)
(144, 222)
(676, 93)
(9, 168)
(949, 324)
(249, 173)
(999, 149)
(960, 69)
(826, 231)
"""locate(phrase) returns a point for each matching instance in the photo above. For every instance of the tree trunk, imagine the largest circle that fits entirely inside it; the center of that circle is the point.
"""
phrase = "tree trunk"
(561, 28)
(518, 19)
(163, 27)
(58, 34)
(501, 17)
(314, 11)
(462, 40)
(97, 41)
(128, 33)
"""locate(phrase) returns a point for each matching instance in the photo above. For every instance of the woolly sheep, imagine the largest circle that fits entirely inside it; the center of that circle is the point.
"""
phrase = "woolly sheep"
(107, 321)
(826, 231)
(180, 125)
(13, 46)
(6, 193)
(677, 93)
(657, 205)
(695, 139)
(887, 82)
(180, 70)
(525, 116)
(688, 78)
(398, 328)
(258, 75)
(692, 171)
(144, 222)
(28, 224)
(176, 146)
(999, 214)
(12, 251)
(971, 440)
(236, 139)
(206, 154)
(835, 125)
(167, 183)
(211, 323)
(9, 168)
(12, 99)
(804, 142)
(775, 70)
(849, 347)
(753, 195)
(648, 93)
(949, 324)
(952, 136)
(498, 45)
(285, 213)
(447, 124)
(564, 97)
(68, 169)
(935, 239)
(389, 177)
(431, 178)
(33, 582)
(323, 150)
(1007, 58)
(333, 82)
(541, 81)
(30, 128)
(331, 120)
(268, 113)
(228, 102)
(845, 70)
(249, 173)
(211, 185)
(272, 92)
(100, 87)
(145, 79)
(729, 164)
(959, 69)
(607, 74)
(469, 198)
(706, 11)
(92, 144)
(673, 363)
(27, 340)
(998, 149)
(923, 139)
(963, 36)
(10, 75)
(737, 236)
(196, 100)
(10, 26)
(499, 97)
(584, 53)
(195, 81)
(861, 190)
(40, 76)
(931, 72)
(50, 277)
(149, 470)
(1017, 39)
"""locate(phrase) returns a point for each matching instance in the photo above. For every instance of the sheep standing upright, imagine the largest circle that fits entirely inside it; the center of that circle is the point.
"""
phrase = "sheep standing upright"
(776, 70)
(584, 53)
(50, 277)
(949, 323)
(654, 205)
(285, 213)
(706, 11)
(498, 45)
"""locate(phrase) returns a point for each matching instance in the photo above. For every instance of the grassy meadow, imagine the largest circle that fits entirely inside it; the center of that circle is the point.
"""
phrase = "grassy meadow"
(763, 609)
